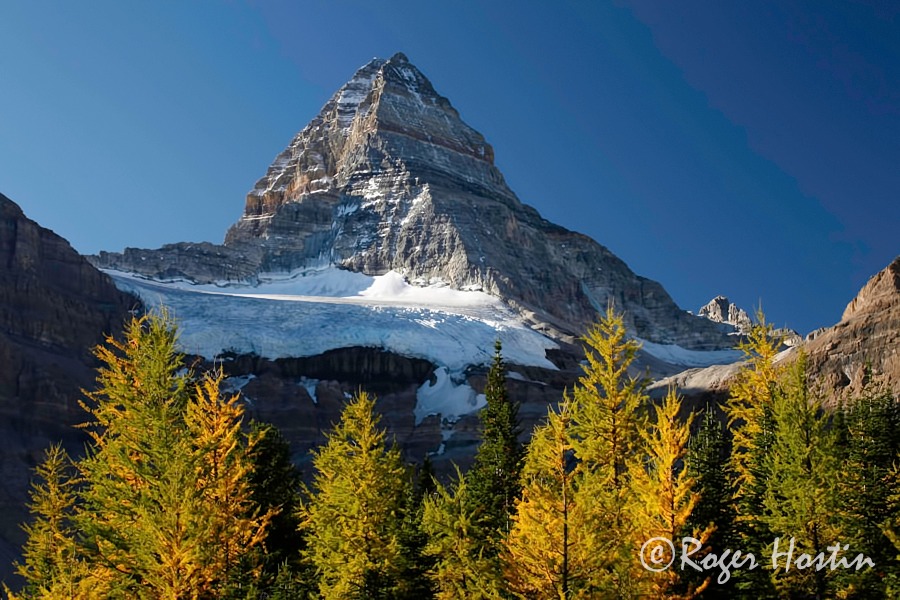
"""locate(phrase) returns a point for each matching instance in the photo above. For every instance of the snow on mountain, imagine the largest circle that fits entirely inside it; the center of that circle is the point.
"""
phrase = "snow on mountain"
(676, 355)
(294, 315)
(447, 398)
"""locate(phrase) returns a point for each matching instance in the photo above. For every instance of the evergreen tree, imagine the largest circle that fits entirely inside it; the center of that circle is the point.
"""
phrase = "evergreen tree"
(455, 530)
(492, 483)
(275, 488)
(707, 461)
(665, 495)
(867, 433)
(415, 563)
(353, 517)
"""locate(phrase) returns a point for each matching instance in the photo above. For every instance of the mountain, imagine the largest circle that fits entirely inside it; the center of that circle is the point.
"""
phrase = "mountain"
(868, 335)
(866, 339)
(387, 178)
(54, 307)
(721, 310)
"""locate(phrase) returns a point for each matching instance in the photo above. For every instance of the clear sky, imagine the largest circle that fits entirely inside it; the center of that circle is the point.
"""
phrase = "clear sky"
(750, 149)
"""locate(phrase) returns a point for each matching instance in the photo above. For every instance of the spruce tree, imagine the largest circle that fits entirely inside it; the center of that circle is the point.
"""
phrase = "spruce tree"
(707, 461)
(275, 487)
(353, 517)
(867, 430)
(492, 483)
(455, 530)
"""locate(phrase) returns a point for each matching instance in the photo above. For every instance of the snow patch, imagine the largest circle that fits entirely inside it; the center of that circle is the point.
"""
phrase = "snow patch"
(675, 354)
(310, 386)
(446, 398)
(233, 385)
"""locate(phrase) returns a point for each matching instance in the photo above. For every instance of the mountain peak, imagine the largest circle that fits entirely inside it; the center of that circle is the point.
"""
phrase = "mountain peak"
(388, 177)
(883, 289)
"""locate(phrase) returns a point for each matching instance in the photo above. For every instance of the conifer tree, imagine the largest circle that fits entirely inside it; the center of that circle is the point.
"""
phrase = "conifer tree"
(608, 404)
(414, 581)
(162, 507)
(352, 519)
(750, 411)
(551, 550)
(609, 412)
(275, 488)
(140, 508)
(707, 461)
(51, 566)
(867, 430)
(493, 484)
(455, 543)
(235, 527)
(665, 495)
(799, 497)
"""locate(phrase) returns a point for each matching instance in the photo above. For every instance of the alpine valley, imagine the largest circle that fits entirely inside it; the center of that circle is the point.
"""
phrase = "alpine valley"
(381, 250)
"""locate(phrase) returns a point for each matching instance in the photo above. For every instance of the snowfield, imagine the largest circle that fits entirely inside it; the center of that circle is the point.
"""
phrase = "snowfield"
(310, 312)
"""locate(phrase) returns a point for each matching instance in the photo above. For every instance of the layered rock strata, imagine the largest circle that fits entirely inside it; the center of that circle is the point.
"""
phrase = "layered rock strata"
(388, 177)
(54, 308)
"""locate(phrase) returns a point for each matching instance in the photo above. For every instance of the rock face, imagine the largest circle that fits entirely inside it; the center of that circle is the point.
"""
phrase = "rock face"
(868, 334)
(720, 310)
(389, 177)
(54, 307)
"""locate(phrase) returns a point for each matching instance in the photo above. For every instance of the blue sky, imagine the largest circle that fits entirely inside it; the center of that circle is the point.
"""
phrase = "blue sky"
(747, 149)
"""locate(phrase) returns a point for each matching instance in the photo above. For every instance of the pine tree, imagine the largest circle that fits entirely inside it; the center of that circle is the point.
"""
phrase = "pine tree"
(707, 461)
(493, 480)
(867, 430)
(455, 530)
(665, 495)
(353, 517)
(275, 488)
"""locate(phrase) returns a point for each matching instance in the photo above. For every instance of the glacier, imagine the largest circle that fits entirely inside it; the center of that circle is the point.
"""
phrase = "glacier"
(306, 313)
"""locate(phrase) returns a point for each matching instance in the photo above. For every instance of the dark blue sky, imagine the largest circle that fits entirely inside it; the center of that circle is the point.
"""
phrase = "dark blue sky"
(747, 149)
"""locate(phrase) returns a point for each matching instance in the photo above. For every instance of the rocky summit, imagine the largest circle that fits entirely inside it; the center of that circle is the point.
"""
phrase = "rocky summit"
(388, 178)
(865, 342)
